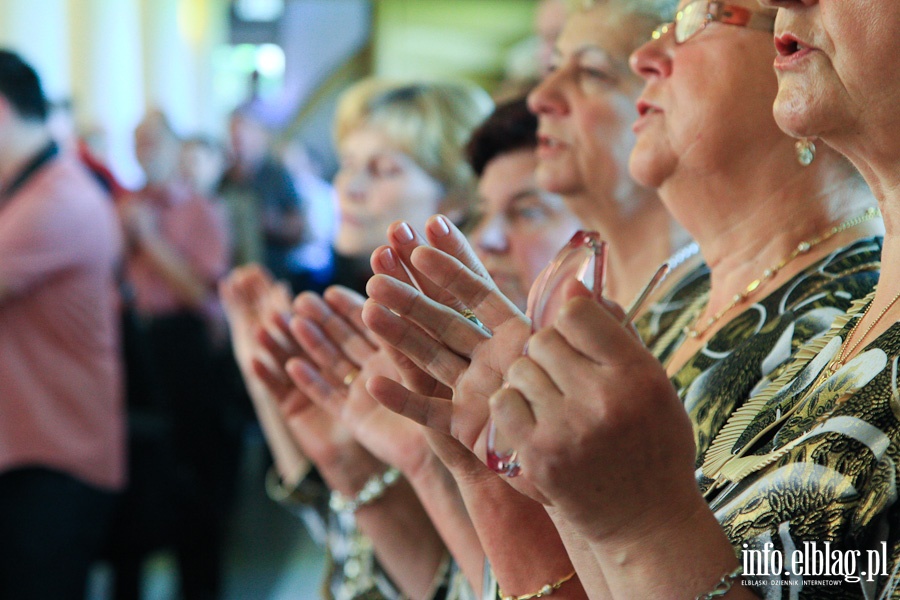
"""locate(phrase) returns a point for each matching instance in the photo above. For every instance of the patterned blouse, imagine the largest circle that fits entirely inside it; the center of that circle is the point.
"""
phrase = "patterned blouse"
(752, 347)
(803, 477)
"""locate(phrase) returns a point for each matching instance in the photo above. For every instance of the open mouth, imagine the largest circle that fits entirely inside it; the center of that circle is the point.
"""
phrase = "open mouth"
(546, 141)
(645, 108)
(788, 45)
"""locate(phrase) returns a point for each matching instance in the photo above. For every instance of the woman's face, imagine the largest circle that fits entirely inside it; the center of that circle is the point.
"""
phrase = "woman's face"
(706, 104)
(376, 185)
(585, 106)
(521, 227)
(837, 67)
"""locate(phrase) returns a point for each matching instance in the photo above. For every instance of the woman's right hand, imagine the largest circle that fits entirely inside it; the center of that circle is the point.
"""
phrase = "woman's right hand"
(468, 359)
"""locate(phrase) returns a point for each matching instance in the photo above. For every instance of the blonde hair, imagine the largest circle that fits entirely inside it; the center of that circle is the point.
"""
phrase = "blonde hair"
(431, 122)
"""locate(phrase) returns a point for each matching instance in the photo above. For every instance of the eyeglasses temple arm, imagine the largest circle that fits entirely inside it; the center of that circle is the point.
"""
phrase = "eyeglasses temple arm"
(638, 303)
(599, 272)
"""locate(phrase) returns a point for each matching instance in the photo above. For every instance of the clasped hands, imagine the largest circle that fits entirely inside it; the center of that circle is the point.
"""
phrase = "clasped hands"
(599, 430)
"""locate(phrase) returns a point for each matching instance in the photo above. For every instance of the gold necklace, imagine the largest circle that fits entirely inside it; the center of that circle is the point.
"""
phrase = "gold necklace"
(754, 286)
(847, 351)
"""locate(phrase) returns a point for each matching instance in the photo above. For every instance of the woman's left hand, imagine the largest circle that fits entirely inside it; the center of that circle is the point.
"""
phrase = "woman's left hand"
(343, 356)
(599, 430)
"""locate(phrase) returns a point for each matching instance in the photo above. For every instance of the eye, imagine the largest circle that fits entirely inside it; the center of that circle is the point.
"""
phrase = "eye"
(384, 167)
(527, 211)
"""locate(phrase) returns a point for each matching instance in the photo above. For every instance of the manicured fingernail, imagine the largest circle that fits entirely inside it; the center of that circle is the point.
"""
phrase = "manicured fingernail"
(387, 259)
(441, 226)
(403, 233)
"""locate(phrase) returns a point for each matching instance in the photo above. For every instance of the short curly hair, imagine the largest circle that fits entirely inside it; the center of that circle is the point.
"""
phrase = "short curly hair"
(511, 127)
(429, 121)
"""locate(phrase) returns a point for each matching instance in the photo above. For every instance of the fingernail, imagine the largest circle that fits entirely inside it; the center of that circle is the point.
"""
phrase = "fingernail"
(403, 233)
(441, 226)
(387, 259)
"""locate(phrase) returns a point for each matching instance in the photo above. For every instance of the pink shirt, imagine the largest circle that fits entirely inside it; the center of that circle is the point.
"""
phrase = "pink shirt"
(61, 400)
(196, 230)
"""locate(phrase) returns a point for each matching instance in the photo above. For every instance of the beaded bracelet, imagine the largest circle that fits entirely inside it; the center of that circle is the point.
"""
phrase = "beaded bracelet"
(372, 490)
(544, 591)
(724, 586)
(303, 492)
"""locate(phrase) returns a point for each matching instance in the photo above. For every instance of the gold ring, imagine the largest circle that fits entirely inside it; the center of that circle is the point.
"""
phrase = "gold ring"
(470, 315)
(349, 377)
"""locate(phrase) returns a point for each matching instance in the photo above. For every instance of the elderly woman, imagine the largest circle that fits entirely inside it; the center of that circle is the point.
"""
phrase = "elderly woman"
(802, 478)
(401, 155)
(737, 184)
(519, 226)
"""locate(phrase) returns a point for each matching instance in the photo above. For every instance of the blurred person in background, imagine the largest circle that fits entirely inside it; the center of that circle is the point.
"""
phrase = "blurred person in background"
(267, 218)
(401, 148)
(178, 247)
(202, 164)
(62, 434)
(518, 227)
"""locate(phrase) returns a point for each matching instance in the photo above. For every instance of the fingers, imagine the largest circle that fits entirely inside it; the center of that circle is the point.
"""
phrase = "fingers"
(340, 333)
(443, 324)
(348, 304)
(413, 377)
(478, 293)
(404, 240)
(434, 413)
(385, 261)
(328, 358)
(407, 337)
(276, 340)
(512, 416)
(446, 237)
(596, 331)
(307, 378)
(280, 386)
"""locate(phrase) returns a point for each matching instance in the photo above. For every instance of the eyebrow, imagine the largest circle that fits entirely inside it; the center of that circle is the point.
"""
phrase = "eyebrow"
(526, 193)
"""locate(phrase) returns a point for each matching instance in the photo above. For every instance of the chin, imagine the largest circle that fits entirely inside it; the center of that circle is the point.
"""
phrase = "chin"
(558, 181)
(793, 113)
(646, 170)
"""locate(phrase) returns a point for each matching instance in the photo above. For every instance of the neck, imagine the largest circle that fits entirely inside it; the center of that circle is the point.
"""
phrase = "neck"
(641, 236)
(20, 144)
(748, 220)
(883, 176)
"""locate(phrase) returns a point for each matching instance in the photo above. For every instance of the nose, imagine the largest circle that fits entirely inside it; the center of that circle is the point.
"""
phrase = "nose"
(651, 59)
(547, 97)
(490, 236)
(351, 183)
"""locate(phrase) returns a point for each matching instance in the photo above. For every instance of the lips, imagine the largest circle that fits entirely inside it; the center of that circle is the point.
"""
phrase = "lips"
(791, 49)
(549, 145)
(645, 108)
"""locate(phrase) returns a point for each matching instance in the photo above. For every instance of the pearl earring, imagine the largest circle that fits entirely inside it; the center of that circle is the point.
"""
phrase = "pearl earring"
(806, 151)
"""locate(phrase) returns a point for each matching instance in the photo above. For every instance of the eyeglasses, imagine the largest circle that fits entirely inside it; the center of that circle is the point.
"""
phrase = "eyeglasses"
(582, 258)
(694, 18)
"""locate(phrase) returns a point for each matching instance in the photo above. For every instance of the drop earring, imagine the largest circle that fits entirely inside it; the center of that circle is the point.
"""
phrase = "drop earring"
(806, 151)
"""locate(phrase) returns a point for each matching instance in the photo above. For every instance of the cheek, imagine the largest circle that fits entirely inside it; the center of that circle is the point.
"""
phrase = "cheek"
(531, 251)
(606, 135)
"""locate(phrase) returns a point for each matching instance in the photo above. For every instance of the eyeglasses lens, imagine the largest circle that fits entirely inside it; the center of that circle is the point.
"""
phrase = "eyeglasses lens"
(582, 259)
(691, 20)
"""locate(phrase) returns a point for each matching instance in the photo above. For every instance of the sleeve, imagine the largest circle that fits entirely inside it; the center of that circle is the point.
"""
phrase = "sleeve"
(38, 240)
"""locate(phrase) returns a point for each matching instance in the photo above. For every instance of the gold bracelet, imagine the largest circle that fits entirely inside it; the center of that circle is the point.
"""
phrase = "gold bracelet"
(724, 585)
(544, 591)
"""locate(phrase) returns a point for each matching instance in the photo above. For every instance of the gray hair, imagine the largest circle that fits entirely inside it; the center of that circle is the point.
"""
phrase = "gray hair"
(659, 10)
